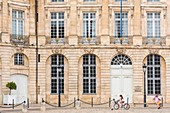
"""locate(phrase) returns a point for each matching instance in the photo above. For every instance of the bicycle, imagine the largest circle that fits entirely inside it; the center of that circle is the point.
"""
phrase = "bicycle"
(117, 105)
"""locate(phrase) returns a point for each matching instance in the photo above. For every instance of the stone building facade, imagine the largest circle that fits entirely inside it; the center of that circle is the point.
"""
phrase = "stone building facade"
(79, 40)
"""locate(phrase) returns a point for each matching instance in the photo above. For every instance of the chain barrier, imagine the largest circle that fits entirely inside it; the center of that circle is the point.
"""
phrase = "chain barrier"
(57, 106)
(12, 105)
(94, 104)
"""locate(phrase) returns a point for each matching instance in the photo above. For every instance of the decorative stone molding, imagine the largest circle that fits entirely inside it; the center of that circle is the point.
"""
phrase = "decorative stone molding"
(56, 50)
(89, 50)
(121, 50)
(19, 49)
(153, 51)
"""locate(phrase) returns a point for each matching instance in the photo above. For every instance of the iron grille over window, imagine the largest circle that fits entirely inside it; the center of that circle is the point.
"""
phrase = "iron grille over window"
(121, 59)
(57, 25)
(18, 59)
(89, 74)
(153, 74)
(57, 72)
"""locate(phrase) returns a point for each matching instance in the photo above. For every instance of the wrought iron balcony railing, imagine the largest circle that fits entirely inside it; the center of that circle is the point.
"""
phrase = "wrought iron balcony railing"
(19, 39)
(89, 40)
(125, 40)
(154, 40)
(50, 40)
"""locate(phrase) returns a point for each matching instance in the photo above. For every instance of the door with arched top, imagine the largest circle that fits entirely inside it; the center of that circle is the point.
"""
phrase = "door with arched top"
(121, 77)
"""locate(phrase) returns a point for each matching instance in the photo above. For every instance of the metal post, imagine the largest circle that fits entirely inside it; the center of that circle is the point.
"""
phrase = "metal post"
(109, 102)
(36, 34)
(74, 102)
(59, 97)
(13, 103)
(92, 102)
(162, 102)
(28, 103)
(144, 90)
(120, 18)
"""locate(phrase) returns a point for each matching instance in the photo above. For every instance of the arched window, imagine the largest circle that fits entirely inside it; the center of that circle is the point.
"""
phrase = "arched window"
(18, 59)
(57, 74)
(121, 59)
(89, 74)
(153, 74)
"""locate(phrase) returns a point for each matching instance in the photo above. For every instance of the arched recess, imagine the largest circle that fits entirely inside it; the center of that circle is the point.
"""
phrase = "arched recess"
(89, 79)
(56, 68)
(121, 77)
(155, 76)
(22, 87)
(24, 58)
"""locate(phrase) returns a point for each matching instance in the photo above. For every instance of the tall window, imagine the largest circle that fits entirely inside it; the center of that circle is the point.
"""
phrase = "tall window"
(57, 74)
(153, 25)
(89, 74)
(57, 25)
(124, 24)
(89, 24)
(153, 74)
(153, 0)
(57, 0)
(18, 59)
(17, 23)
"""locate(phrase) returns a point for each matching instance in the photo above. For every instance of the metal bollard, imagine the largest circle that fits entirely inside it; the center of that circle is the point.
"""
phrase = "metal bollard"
(43, 108)
(13, 103)
(78, 104)
(24, 107)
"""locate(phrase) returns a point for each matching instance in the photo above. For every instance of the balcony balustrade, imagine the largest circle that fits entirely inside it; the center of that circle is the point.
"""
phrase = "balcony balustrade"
(154, 40)
(89, 40)
(19, 39)
(61, 41)
(125, 40)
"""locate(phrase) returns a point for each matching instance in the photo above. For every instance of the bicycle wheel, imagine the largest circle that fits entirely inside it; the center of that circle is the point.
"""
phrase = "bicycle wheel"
(116, 106)
(126, 106)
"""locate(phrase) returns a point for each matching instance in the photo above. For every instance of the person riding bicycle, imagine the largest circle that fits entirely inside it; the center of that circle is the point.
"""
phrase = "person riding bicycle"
(121, 100)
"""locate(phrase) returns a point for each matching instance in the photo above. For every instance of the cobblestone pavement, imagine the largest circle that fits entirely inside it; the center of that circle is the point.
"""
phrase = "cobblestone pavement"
(93, 110)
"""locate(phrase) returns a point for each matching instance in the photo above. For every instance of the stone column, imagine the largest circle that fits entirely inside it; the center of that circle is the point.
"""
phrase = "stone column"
(137, 39)
(73, 39)
(5, 22)
(105, 39)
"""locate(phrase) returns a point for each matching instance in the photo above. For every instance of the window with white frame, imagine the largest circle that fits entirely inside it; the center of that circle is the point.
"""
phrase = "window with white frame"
(18, 59)
(89, 24)
(57, 25)
(57, 74)
(153, 74)
(124, 24)
(153, 0)
(89, 74)
(153, 25)
(57, 0)
(17, 23)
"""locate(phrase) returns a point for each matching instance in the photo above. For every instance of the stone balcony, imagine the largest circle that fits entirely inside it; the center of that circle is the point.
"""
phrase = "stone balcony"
(154, 41)
(19, 39)
(58, 41)
(89, 40)
(125, 40)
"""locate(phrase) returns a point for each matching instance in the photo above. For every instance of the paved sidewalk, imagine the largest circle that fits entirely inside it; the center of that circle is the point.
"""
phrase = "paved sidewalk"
(91, 110)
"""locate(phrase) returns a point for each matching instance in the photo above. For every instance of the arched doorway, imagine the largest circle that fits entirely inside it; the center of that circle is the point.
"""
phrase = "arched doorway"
(121, 77)
(22, 87)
